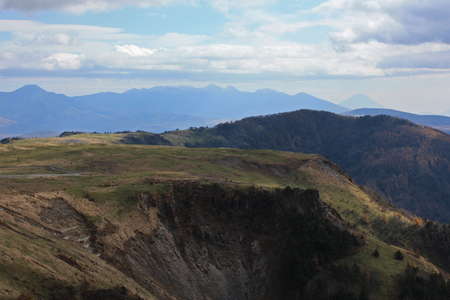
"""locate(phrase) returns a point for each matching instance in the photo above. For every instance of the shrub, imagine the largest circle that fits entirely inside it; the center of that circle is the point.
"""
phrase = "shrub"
(375, 253)
(398, 255)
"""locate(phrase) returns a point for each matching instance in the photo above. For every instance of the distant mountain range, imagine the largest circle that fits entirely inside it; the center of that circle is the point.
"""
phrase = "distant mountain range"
(438, 122)
(360, 101)
(33, 111)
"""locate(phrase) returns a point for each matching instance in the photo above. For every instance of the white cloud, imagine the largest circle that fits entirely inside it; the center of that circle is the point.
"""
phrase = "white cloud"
(408, 22)
(33, 31)
(135, 51)
(77, 6)
(70, 47)
(253, 42)
(227, 5)
(391, 36)
(81, 6)
(62, 61)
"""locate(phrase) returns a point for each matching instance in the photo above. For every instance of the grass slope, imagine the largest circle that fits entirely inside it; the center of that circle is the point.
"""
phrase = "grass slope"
(112, 174)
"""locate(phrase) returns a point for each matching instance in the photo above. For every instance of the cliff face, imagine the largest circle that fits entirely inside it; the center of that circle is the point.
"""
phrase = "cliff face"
(191, 241)
(209, 242)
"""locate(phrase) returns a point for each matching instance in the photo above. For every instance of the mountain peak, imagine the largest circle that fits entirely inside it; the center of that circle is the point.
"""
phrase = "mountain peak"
(303, 94)
(268, 91)
(360, 101)
(231, 88)
(31, 88)
(213, 87)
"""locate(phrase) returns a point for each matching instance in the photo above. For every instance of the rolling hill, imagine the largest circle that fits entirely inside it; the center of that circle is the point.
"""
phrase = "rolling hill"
(441, 123)
(85, 217)
(32, 111)
(406, 163)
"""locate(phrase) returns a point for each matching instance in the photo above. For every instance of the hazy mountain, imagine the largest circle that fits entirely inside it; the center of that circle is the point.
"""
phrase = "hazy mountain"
(34, 110)
(407, 163)
(359, 101)
(439, 122)
(211, 102)
(31, 109)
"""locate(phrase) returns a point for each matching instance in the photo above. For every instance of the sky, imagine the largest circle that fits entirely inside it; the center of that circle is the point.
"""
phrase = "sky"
(395, 51)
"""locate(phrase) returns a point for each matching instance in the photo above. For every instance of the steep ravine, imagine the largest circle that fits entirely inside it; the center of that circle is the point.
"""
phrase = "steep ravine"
(213, 242)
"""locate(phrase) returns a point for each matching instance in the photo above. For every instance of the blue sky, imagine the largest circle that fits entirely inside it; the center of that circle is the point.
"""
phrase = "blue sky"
(396, 51)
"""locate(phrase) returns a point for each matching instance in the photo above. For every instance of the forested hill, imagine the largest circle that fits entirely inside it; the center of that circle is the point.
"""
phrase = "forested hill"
(407, 163)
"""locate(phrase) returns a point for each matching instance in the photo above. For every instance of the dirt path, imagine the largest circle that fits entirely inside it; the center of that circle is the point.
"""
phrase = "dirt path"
(40, 175)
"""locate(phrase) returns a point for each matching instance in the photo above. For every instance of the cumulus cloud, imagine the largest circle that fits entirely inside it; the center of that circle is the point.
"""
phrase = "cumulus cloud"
(394, 36)
(62, 61)
(408, 22)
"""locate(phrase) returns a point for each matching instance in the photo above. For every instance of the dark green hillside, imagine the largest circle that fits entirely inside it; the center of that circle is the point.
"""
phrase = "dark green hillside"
(407, 163)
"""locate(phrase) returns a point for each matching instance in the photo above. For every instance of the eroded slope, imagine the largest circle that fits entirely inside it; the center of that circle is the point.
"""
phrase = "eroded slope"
(178, 223)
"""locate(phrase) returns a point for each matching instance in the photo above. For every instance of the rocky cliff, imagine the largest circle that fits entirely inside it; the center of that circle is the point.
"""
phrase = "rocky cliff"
(215, 242)
(194, 241)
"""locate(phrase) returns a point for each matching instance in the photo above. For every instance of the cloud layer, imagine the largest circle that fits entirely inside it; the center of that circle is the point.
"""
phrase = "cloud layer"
(81, 6)
(366, 39)
(77, 6)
